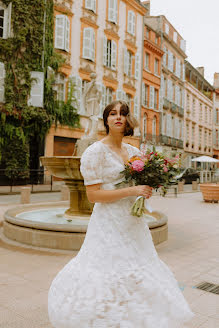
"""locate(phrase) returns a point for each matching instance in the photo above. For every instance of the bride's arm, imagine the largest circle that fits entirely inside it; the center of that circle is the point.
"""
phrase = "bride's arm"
(97, 195)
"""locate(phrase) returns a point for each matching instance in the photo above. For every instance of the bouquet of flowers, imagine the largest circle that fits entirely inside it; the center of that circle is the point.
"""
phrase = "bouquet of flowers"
(153, 169)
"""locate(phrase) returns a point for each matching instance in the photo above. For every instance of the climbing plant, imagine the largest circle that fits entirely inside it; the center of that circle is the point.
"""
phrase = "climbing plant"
(31, 48)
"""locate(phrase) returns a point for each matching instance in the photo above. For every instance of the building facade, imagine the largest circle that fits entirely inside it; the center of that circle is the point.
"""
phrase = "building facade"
(216, 118)
(172, 85)
(151, 81)
(198, 120)
(102, 37)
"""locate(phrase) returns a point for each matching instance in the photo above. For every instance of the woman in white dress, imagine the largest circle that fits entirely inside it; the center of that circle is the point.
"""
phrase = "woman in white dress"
(117, 279)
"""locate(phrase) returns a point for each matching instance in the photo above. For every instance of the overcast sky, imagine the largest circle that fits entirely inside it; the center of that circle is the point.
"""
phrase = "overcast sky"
(197, 21)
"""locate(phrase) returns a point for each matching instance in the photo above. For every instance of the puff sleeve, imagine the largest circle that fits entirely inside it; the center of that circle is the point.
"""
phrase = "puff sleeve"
(92, 165)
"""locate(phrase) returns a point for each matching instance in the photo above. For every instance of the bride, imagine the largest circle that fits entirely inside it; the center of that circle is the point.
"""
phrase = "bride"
(117, 279)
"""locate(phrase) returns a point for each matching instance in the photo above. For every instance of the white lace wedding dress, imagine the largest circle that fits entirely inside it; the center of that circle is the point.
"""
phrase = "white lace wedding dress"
(117, 279)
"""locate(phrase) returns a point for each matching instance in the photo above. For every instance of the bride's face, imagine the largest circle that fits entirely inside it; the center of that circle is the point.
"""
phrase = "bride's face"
(116, 120)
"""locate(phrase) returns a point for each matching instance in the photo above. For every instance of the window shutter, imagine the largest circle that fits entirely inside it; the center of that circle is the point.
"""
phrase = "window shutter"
(183, 45)
(137, 65)
(143, 94)
(67, 33)
(170, 61)
(7, 22)
(94, 5)
(2, 82)
(175, 36)
(119, 94)
(177, 128)
(112, 11)
(126, 61)
(104, 50)
(90, 4)
(164, 56)
(164, 124)
(60, 32)
(113, 54)
(136, 107)
(133, 23)
(151, 102)
(167, 29)
(88, 43)
(77, 94)
(169, 90)
(183, 77)
(37, 88)
(169, 124)
(129, 21)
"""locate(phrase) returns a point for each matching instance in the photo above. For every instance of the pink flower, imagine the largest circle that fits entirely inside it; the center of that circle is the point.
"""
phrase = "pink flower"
(165, 169)
(138, 165)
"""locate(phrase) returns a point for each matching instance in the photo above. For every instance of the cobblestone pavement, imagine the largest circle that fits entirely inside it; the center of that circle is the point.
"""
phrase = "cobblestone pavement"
(191, 252)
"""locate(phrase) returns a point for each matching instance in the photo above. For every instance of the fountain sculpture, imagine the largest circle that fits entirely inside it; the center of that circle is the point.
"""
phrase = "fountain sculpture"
(55, 226)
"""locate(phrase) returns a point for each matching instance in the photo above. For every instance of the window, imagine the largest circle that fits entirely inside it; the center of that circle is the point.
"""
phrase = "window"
(5, 21)
(165, 56)
(193, 108)
(147, 33)
(155, 98)
(206, 114)
(109, 95)
(59, 87)
(200, 136)
(110, 53)
(89, 43)
(2, 82)
(175, 37)
(136, 107)
(174, 64)
(62, 32)
(90, 4)
(188, 103)
(144, 95)
(156, 39)
(209, 139)
(193, 134)
(144, 126)
(217, 115)
(205, 141)
(151, 99)
(37, 89)
(187, 132)
(167, 28)
(174, 93)
(200, 113)
(156, 66)
(128, 63)
(180, 97)
(147, 61)
(137, 66)
(131, 22)
(164, 128)
(183, 45)
(165, 87)
(112, 11)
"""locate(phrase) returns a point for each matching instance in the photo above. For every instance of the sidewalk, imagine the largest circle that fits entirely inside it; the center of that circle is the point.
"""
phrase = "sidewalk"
(191, 252)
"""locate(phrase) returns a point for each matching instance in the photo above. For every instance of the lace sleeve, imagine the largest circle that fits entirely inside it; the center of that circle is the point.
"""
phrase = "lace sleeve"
(91, 165)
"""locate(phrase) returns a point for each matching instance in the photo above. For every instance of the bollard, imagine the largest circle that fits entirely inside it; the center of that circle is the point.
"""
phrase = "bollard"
(25, 195)
(65, 193)
(180, 186)
(194, 185)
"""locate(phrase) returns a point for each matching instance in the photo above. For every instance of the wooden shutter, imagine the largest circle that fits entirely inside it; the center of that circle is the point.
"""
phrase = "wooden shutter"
(113, 54)
(133, 23)
(137, 66)
(90, 4)
(164, 121)
(60, 32)
(183, 75)
(177, 128)
(183, 45)
(129, 25)
(126, 61)
(104, 50)
(136, 107)
(7, 22)
(143, 94)
(2, 82)
(67, 33)
(167, 28)
(168, 127)
(37, 88)
(151, 101)
(112, 11)
(88, 43)
(175, 37)
(119, 94)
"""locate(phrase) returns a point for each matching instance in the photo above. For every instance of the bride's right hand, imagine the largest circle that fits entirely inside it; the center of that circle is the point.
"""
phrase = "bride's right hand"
(142, 190)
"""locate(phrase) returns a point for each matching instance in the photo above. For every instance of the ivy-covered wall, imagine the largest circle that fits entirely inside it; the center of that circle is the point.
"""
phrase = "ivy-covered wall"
(30, 48)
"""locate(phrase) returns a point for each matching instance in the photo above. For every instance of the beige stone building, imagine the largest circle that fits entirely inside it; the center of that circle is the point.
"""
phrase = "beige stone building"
(199, 111)
(216, 118)
(104, 37)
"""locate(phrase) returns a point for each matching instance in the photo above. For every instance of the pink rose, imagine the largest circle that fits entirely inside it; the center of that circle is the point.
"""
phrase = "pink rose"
(138, 165)
(165, 169)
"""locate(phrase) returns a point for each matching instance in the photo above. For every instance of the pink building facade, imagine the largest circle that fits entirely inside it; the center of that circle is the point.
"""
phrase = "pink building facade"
(199, 115)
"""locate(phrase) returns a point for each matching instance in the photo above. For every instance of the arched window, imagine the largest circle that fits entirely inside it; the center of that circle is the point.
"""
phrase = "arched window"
(144, 126)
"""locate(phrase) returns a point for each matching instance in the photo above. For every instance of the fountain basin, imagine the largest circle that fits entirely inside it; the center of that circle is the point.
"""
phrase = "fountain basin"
(44, 225)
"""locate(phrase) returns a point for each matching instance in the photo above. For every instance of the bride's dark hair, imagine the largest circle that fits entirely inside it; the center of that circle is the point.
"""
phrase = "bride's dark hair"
(131, 122)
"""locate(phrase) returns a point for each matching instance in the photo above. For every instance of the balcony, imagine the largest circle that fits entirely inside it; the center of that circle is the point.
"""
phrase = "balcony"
(154, 139)
(173, 107)
(180, 111)
(166, 103)
(169, 141)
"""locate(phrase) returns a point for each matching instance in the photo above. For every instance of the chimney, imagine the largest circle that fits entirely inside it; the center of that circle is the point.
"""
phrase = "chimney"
(201, 70)
(216, 80)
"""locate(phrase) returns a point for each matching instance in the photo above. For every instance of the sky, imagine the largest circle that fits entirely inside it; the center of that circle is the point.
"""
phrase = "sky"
(197, 21)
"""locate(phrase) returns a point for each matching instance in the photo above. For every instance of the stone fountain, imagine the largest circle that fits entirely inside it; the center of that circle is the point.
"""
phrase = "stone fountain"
(56, 225)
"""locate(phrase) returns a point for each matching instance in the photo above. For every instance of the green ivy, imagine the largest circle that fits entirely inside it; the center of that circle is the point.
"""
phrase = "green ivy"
(29, 49)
